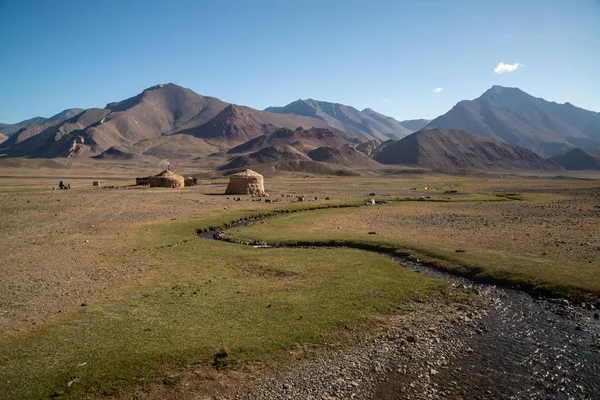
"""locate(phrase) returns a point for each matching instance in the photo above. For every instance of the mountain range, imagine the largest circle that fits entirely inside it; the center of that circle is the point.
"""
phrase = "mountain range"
(367, 123)
(9, 129)
(503, 129)
(519, 119)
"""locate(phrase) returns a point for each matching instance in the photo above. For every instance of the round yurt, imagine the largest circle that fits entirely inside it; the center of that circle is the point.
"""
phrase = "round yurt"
(246, 182)
(166, 179)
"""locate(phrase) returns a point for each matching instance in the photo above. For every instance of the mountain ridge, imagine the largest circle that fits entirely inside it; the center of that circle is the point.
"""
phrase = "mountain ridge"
(519, 119)
(367, 123)
(454, 149)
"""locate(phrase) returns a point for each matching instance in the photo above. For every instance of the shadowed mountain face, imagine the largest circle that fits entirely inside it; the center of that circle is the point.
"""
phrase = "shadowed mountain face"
(346, 155)
(303, 139)
(515, 117)
(579, 159)
(451, 150)
(232, 125)
(271, 154)
(368, 124)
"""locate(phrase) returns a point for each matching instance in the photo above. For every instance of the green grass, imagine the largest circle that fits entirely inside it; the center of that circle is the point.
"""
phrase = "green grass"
(538, 275)
(208, 295)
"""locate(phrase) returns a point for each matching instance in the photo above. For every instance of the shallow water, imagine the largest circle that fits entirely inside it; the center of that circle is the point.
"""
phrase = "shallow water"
(528, 349)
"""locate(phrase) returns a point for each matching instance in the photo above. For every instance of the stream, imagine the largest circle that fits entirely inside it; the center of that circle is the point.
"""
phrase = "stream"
(528, 348)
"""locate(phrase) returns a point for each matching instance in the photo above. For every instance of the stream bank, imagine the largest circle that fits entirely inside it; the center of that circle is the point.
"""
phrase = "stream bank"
(521, 348)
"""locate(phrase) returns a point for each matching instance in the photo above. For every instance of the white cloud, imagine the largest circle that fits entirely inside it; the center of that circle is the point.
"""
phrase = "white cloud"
(502, 67)
(438, 90)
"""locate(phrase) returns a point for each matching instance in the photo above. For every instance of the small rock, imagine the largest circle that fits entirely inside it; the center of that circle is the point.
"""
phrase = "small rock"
(412, 338)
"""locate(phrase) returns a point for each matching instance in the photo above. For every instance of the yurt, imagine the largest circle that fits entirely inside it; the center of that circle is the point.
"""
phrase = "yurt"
(166, 179)
(246, 182)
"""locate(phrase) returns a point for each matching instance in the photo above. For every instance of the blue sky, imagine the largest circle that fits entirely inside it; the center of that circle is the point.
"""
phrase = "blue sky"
(384, 54)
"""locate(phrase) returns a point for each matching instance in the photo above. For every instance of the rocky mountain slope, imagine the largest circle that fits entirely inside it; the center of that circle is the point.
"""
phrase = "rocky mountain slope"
(452, 149)
(515, 117)
(579, 159)
(231, 125)
(10, 129)
(159, 111)
(270, 154)
(368, 124)
(302, 139)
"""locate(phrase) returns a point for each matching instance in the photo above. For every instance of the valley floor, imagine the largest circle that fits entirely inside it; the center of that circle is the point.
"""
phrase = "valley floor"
(109, 292)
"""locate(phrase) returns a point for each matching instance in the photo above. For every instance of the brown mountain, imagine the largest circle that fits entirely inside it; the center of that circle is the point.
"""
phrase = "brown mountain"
(515, 117)
(55, 138)
(346, 155)
(578, 159)
(451, 149)
(232, 125)
(3, 137)
(367, 124)
(271, 154)
(302, 139)
(160, 111)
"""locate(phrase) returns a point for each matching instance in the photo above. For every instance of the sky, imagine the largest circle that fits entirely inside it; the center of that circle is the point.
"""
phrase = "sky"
(404, 58)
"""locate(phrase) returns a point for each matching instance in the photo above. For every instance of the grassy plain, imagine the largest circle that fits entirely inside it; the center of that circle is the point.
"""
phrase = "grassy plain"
(545, 243)
(107, 290)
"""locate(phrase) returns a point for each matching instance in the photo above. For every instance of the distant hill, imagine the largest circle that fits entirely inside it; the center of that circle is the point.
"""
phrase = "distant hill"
(515, 117)
(368, 124)
(66, 114)
(415, 124)
(303, 139)
(578, 159)
(345, 155)
(265, 155)
(3, 137)
(451, 150)
(10, 129)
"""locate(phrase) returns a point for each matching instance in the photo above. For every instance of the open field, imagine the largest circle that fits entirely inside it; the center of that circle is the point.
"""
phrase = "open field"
(107, 290)
(546, 242)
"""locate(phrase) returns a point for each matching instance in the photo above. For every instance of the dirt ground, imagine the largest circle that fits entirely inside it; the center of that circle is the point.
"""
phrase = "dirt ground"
(61, 249)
